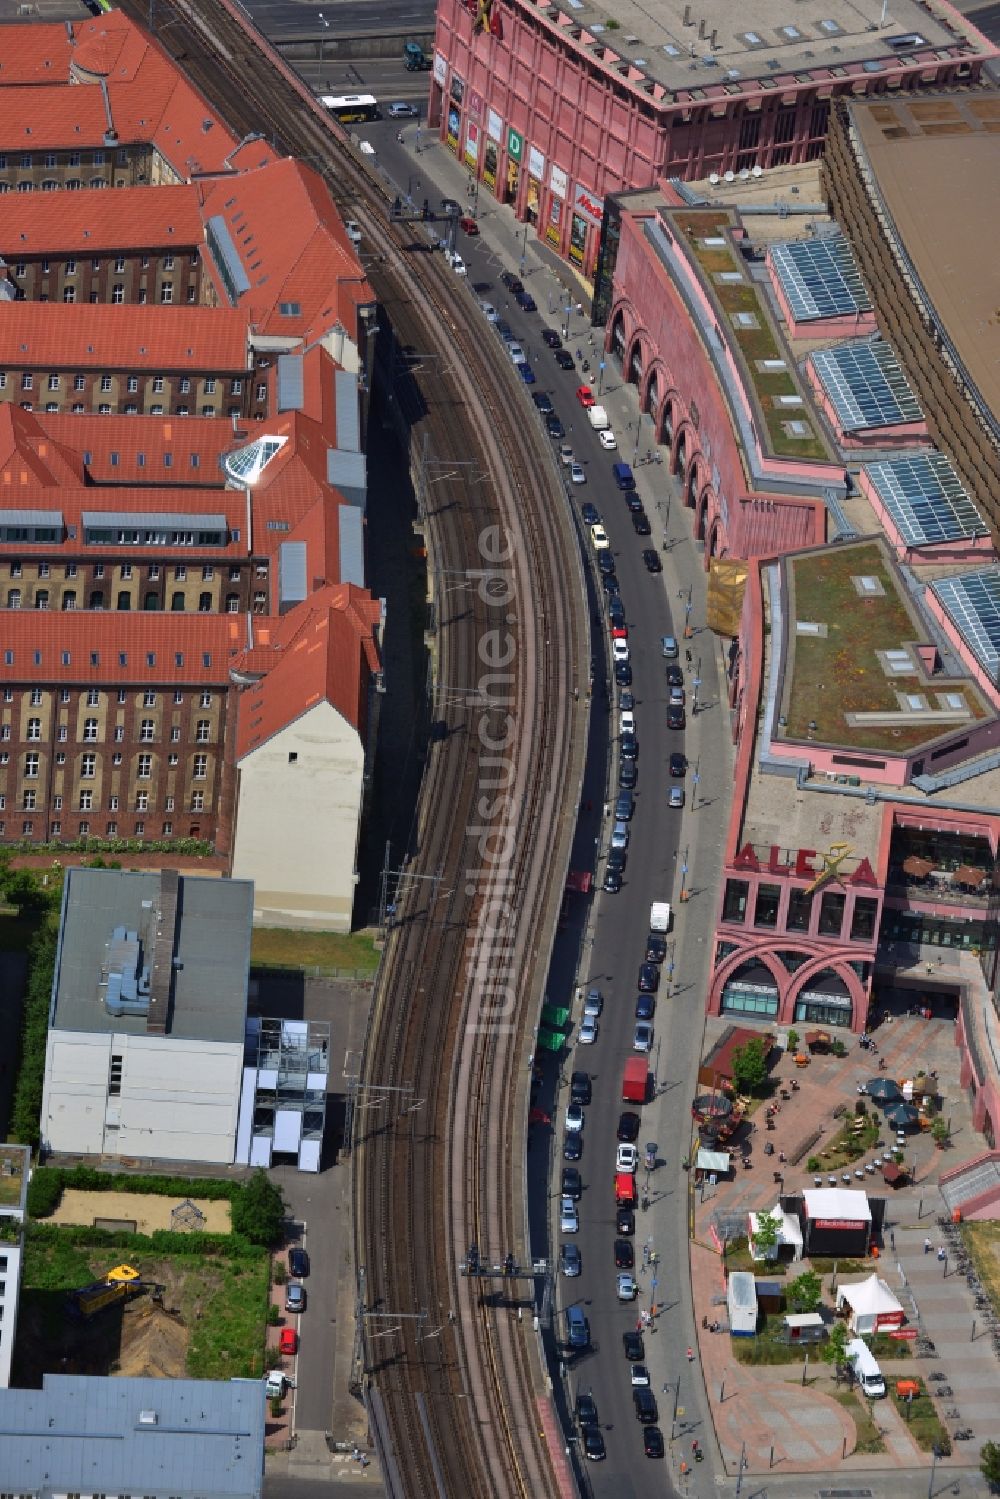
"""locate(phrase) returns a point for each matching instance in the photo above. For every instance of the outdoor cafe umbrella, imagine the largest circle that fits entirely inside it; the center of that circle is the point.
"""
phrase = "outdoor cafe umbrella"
(966, 875)
(919, 867)
(884, 1089)
(901, 1114)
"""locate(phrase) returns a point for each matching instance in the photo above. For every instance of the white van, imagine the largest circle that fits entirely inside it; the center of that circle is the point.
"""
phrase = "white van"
(866, 1369)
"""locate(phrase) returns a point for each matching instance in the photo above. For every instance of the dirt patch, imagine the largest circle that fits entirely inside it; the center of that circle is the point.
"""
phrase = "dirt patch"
(154, 1343)
(146, 1210)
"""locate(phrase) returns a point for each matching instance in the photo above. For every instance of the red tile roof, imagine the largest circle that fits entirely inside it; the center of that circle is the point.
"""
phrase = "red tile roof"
(294, 248)
(151, 438)
(72, 503)
(54, 335)
(93, 220)
(325, 649)
(28, 456)
(157, 648)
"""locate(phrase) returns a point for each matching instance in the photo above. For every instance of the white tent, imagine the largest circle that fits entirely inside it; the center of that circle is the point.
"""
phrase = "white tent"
(789, 1235)
(872, 1304)
(837, 1204)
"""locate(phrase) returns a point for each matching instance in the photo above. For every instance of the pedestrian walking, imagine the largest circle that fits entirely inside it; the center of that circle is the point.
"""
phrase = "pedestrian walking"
(927, 1246)
(892, 1238)
(690, 1355)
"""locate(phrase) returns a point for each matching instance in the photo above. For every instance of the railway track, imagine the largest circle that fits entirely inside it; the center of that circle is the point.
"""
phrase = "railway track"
(453, 1375)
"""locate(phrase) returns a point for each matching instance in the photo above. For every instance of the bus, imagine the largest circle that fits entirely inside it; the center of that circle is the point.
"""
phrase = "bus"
(351, 107)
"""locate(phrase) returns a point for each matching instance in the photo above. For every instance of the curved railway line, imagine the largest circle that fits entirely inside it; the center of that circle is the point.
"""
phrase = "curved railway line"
(452, 1375)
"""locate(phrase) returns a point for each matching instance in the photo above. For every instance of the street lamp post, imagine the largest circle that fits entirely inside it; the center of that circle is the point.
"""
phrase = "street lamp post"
(684, 869)
(524, 248)
(743, 1467)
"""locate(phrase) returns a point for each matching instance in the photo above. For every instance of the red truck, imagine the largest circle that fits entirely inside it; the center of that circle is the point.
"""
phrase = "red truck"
(624, 1189)
(635, 1082)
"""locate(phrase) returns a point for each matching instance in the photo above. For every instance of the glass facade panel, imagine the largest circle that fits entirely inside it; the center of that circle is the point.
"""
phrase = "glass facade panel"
(749, 999)
(799, 910)
(766, 909)
(734, 907)
(864, 918)
(831, 913)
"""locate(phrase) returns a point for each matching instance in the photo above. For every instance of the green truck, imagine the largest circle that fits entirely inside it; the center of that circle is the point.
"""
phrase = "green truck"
(416, 58)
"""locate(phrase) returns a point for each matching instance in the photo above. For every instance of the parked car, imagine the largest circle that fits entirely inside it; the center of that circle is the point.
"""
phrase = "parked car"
(525, 301)
(489, 312)
(586, 1410)
(619, 834)
(605, 562)
(569, 1220)
(641, 526)
(642, 1039)
(656, 948)
(628, 744)
(551, 339)
(588, 1030)
(570, 1259)
(505, 331)
(468, 224)
(616, 860)
(628, 1125)
(676, 717)
(627, 1158)
(577, 474)
(626, 719)
(635, 1350)
(607, 439)
(564, 359)
(619, 648)
(645, 1405)
(513, 283)
(652, 1441)
(599, 539)
(457, 264)
(566, 455)
(675, 674)
(624, 806)
(639, 1375)
(649, 978)
(624, 1254)
(572, 1147)
(675, 798)
(298, 1262)
(526, 373)
(295, 1297)
(628, 775)
(574, 1118)
(645, 1006)
(623, 674)
(624, 1220)
(677, 764)
(669, 647)
(288, 1341)
(580, 1088)
(652, 561)
(625, 1287)
(585, 396)
(594, 1448)
(594, 1002)
(616, 610)
(517, 354)
(591, 515)
(612, 882)
(554, 426)
(543, 401)
(572, 1182)
(632, 501)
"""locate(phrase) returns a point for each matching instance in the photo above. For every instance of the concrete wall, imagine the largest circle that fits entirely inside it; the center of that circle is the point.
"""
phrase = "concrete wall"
(10, 1279)
(179, 1099)
(298, 822)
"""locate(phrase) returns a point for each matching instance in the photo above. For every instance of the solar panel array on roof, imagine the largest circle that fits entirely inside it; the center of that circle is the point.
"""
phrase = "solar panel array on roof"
(820, 278)
(866, 385)
(972, 602)
(925, 499)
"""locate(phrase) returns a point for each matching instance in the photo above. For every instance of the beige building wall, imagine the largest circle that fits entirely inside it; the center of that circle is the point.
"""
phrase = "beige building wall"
(298, 821)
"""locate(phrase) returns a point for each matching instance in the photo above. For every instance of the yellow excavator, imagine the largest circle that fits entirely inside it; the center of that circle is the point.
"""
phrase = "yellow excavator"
(119, 1284)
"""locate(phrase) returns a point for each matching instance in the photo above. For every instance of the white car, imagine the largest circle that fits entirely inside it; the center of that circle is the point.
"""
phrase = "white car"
(619, 650)
(626, 722)
(517, 354)
(627, 1158)
(576, 474)
(457, 264)
(619, 835)
(643, 1038)
(566, 455)
(607, 439)
(640, 1376)
(627, 1288)
(594, 1003)
(569, 1222)
(574, 1119)
(489, 312)
(599, 541)
(588, 1030)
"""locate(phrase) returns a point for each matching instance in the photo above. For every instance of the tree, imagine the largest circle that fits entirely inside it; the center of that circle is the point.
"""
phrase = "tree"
(765, 1235)
(989, 1464)
(834, 1350)
(258, 1211)
(805, 1293)
(750, 1066)
(793, 1040)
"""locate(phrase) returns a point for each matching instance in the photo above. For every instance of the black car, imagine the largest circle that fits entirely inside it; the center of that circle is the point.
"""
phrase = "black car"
(640, 523)
(628, 746)
(675, 675)
(624, 1255)
(564, 359)
(616, 613)
(593, 1444)
(676, 717)
(628, 1126)
(635, 1348)
(652, 561)
(645, 1007)
(652, 1441)
(511, 282)
(572, 1183)
(611, 583)
(586, 1410)
(624, 1221)
(580, 1088)
(612, 882)
(632, 501)
(605, 561)
(656, 948)
(678, 764)
(543, 401)
(505, 331)
(623, 673)
(624, 806)
(298, 1262)
(525, 301)
(649, 978)
(591, 516)
(551, 339)
(616, 860)
(448, 205)
(554, 426)
(645, 1405)
(573, 1146)
(628, 775)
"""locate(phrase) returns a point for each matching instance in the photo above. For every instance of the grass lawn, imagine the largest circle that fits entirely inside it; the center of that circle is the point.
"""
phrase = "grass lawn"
(738, 1257)
(332, 953)
(923, 1424)
(766, 1349)
(846, 1147)
(840, 674)
(983, 1243)
(869, 1435)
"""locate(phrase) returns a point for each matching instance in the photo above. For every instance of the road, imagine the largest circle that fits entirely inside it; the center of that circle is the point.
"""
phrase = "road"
(279, 19)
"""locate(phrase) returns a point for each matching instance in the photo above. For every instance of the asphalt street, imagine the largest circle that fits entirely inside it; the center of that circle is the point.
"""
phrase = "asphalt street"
(279, 19)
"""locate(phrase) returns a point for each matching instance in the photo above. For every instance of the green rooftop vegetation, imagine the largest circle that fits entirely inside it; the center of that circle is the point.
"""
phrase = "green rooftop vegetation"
(755, 344)
(828, 676)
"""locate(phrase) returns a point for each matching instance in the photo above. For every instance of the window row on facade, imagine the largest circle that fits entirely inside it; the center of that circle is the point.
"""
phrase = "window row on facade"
(96, 697)
(88, 801)
(796, 909)
(27, 828)
(148, 731)
(153, 602)
(179, 570)
(111, 384)
(89, 764)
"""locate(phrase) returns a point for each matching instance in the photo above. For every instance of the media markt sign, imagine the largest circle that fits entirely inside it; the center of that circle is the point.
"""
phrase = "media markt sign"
(515, 145)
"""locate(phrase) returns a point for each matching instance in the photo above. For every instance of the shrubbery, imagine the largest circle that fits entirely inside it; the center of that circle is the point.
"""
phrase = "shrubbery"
(161, 1241)
(27, 1107)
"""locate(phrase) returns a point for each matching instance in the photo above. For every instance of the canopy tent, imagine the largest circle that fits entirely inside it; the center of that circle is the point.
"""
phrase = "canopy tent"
(716, 1161)
(883, 1089)
(789, 1235)
(837, 1203)
(902, 1114)
(872, 1305)
(967, 874)
(916, 866)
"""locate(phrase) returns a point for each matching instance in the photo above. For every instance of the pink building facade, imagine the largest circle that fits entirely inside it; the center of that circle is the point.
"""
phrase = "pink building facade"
(551, 117)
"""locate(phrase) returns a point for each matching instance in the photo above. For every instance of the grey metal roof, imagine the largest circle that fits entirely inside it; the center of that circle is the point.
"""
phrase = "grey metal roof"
(32, 518)
(820, 278)
(348, 473)
(227, 258)
(192, 1438)
(155, 520)
(352, 544)
(348, 415)
(292, 587)
(925, 498)
(972, 602)
(867, 386)
(291, 390)
(211, 949)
